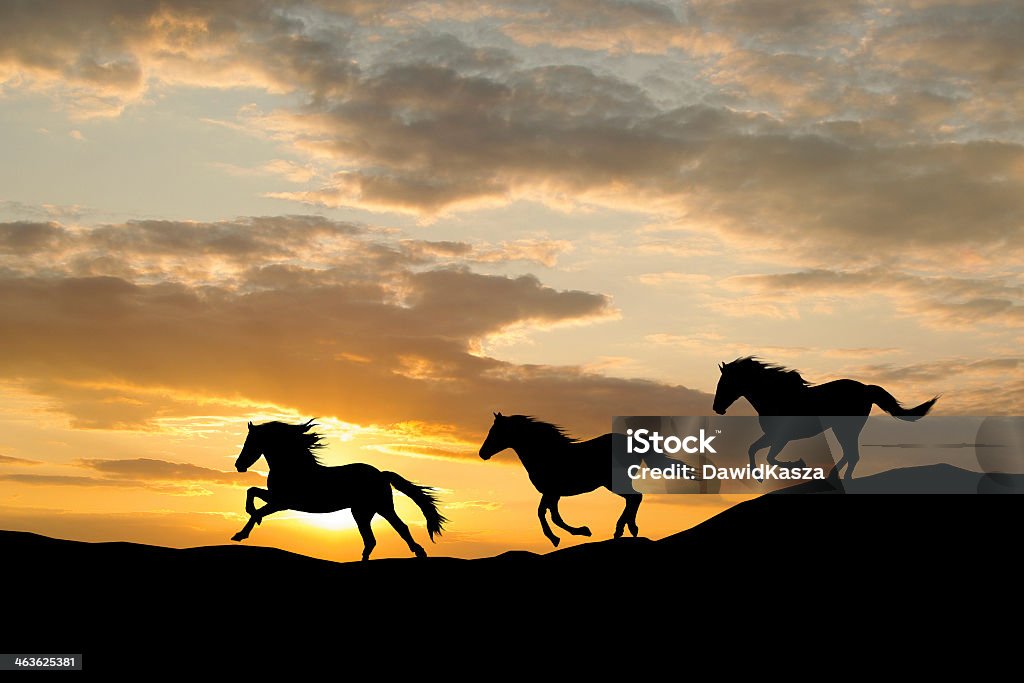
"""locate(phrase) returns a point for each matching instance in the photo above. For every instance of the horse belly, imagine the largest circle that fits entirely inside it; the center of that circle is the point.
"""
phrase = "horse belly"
(791, 428)
(576, 475)
(318, 497)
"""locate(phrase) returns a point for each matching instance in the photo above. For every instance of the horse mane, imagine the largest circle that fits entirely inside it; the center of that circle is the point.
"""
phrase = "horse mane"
(752, 366)
(297, 438)
(538, 429)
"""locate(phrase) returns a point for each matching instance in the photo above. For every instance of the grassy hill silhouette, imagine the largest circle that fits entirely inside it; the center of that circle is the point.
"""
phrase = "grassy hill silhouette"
(823, 552)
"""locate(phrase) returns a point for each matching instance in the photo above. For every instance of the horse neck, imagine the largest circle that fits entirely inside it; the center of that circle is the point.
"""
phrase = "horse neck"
(770, 398)
(282, 461)
(531, 452)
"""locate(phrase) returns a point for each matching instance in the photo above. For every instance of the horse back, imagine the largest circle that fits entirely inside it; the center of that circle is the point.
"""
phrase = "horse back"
(838, 397)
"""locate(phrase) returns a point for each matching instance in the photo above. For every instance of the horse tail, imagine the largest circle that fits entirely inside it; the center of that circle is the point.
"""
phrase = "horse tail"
(884, 400)
(424, 497)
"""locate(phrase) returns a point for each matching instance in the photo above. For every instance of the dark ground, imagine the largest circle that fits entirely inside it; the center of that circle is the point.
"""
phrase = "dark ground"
(775, 572)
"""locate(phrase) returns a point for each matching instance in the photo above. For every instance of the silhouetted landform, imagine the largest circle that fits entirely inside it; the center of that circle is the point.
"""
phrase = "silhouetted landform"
(927, 479)
(809, 554)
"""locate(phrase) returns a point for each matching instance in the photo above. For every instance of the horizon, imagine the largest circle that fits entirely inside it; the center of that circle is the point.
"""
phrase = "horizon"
(399, 217)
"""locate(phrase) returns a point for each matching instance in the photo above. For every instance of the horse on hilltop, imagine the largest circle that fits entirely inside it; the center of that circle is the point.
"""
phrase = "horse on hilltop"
(792, 408)
(299, 481)
(559, 465)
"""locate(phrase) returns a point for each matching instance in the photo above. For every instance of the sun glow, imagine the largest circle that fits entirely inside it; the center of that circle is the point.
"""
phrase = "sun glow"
(332, 521)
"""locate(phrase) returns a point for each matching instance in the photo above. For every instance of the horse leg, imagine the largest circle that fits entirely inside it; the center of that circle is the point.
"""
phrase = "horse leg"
(267, 510)
(834, 473)
(545, 503)
(363, 518)
(557, 519)
(246, 530)
(403, 530)
(628, 516)
(774, 451)
(762, 442)
(255, 516)
(251, 495)
(851, 450)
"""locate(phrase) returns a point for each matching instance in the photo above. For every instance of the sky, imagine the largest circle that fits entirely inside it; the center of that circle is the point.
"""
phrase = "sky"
(398, 217)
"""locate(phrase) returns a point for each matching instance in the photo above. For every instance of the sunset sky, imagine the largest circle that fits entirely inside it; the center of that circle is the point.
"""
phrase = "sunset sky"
(398, 217)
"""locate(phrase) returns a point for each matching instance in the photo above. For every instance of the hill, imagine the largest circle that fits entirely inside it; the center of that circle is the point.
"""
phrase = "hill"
(125, 601)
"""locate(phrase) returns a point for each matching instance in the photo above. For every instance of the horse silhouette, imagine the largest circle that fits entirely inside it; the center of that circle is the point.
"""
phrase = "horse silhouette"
(790, 408)
(298, 481)
(559, 465)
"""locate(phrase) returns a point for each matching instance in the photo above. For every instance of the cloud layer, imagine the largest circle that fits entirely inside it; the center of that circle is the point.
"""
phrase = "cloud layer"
(824, 128)
(120, 328)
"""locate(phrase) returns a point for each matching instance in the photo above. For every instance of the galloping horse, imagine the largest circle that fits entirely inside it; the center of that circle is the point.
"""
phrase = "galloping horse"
(559, 465)
(298, 481)
(790, 408)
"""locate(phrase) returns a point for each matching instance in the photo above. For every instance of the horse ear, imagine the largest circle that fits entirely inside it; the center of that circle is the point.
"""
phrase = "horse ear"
(497, 415)
(721, 367)
(250, 425)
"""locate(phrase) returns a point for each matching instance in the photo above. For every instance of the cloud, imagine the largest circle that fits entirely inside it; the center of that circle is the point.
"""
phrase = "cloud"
(11, 460)
(65, 480)
(372, 330)
(876, 142)
(22, 237)
(148, 469)
(943, 302)
(179, 479)
(943, 369)
(969, 385)
(816, 130)
(542, 251)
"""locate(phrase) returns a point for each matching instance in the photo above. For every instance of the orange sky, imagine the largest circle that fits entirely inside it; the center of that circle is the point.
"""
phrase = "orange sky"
(400, 216)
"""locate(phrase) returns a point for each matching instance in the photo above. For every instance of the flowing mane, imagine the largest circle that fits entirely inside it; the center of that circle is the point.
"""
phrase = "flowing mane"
(296, 439)
(538, 430)
(751, 366)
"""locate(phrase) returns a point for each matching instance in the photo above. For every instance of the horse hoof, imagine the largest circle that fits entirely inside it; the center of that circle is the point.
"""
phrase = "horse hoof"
(238, 537)
(420, 553)
(555, 541)
(634, 530)
(618, 533)
(585, 531)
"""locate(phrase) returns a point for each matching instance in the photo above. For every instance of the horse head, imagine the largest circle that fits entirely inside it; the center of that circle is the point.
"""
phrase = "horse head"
(251, 450)
(730, 387)
(498, 439)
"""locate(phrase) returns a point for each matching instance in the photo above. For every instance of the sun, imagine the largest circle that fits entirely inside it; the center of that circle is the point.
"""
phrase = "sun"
(333, 521)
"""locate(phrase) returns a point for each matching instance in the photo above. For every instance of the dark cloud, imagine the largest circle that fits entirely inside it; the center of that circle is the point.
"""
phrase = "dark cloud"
(21, 237)
(777, 19)
(385, 335)
(822, 128)
(279, 237)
